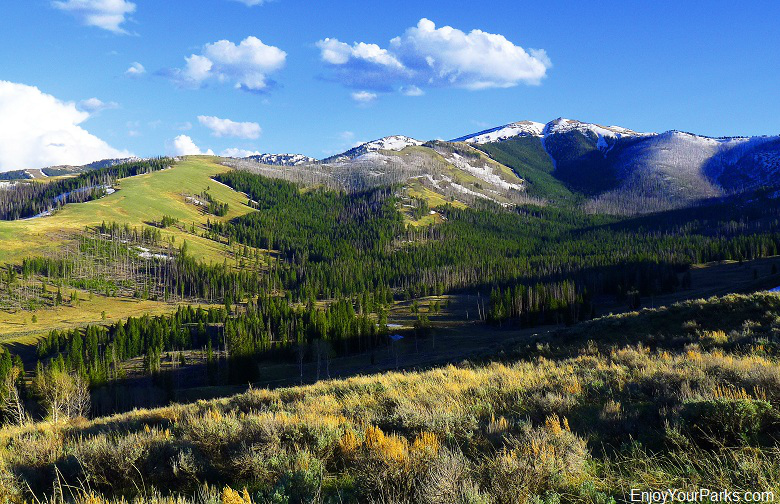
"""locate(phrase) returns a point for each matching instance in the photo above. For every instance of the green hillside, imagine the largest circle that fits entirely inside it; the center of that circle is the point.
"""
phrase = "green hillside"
(527, 157)
(138, 201)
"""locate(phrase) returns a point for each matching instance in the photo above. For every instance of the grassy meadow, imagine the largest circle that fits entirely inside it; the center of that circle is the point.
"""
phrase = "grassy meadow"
(137, 201)
(680, 397)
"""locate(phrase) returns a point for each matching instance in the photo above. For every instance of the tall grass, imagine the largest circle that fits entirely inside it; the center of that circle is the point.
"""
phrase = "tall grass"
(582, 428)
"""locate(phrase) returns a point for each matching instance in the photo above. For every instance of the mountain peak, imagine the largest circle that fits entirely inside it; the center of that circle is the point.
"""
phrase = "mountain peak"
(505, 132)
(562, 125)
(388, 143)
(392, 142)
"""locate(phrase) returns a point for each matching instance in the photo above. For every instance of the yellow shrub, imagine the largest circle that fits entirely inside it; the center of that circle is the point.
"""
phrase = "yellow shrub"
(349, 443)
(716, 337)
(389, 448)
(573, 386)
(427, 442)
(92, 499)
(553, 425)
(230, 496)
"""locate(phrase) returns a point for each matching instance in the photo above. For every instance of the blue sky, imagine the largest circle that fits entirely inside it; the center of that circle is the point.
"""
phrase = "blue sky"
(303, 84)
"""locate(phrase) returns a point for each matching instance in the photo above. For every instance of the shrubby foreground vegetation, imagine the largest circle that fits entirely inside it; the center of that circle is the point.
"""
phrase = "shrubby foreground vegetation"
(681, 396)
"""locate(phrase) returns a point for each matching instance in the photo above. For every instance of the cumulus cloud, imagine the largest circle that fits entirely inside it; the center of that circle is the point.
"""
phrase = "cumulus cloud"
(364, 96)
(227, 128)
(339, 53)
(94, 105)
(183, 145)
(247, 65)
(39, 130)
(427, 56)
(135, 70)
(239, 153)
(106, 14)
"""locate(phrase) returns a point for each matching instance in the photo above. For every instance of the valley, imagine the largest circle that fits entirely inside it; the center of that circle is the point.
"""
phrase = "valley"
(274, 252)
(177, 288)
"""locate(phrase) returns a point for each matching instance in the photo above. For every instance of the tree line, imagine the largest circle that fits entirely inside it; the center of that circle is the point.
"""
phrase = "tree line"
(336, 244)
(29, 199)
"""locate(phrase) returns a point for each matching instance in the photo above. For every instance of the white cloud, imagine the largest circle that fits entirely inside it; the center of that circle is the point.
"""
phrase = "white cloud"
(412, 91)
(434, 57)
(227, 128)
(336, 52)
(39, 130)
(106, 14)
(250, 3)
(239, 153)
(183, 145)
(247, 64)
(197, 69)
(135, 70)
(363, 96)
(94, 105)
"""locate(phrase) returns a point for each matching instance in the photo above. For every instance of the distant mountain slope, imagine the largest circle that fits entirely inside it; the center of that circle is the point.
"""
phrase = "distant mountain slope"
(454, 171)
(61, 170)
(623, 171)
(388, 143)
(282, 159)
(527, 157)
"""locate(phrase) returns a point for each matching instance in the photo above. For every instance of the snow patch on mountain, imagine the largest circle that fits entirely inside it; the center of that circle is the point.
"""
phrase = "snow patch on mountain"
(484, 172)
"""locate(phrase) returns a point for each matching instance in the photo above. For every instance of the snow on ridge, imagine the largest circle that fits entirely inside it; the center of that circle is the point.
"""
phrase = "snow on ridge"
(282, 159)
(562, 125)
(393, 142)
(501, 133)
(388, 143)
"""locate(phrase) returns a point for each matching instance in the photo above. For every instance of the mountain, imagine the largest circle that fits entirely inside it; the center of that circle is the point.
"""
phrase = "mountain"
(454, 171)
(621, 171)
(281, 159)
(603, 169)
(388, 143)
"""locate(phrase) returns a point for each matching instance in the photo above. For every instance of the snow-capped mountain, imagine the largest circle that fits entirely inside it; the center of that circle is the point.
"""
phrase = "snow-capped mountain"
(626, 171)
(282, 159)
(501, 133)
(388, 143)
(612, 169)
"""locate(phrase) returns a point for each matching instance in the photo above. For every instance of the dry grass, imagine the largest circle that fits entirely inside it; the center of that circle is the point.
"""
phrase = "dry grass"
(583, 428)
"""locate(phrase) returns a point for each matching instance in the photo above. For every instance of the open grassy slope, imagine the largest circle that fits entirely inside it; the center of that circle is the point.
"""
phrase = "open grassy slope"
(139, 200)
(581, 423)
